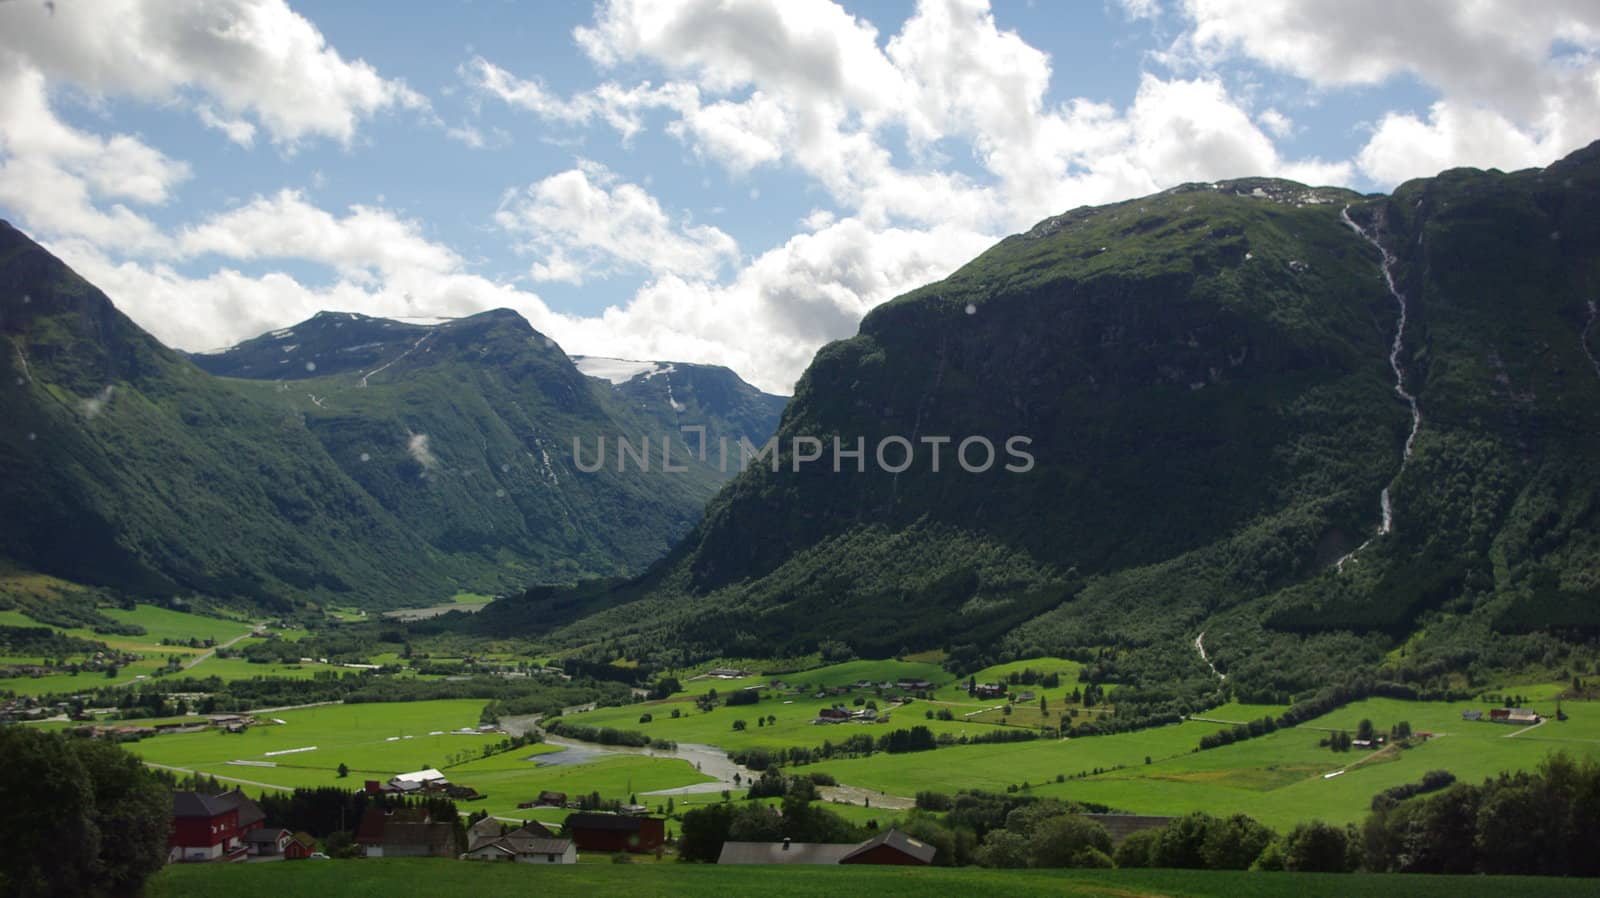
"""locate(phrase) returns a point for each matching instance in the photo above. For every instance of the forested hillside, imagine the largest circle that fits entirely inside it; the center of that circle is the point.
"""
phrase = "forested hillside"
(1209, 379)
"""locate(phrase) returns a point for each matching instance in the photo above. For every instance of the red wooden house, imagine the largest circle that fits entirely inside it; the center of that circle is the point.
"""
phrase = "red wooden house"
(614, 832)
(204, 828)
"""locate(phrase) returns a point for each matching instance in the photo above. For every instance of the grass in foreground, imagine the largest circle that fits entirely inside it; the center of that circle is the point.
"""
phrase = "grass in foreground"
(393, 878)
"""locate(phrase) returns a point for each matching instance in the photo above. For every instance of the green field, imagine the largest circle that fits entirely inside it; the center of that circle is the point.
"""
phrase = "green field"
(356, 735)
(379, 740)
(509, 779)
(995, 767)
(797, 706)
(1281, 778)
(395, 878)
(158, 623)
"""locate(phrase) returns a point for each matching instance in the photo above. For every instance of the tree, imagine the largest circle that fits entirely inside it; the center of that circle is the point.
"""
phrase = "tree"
(1069, 840)
(1004, 848)
(1316, 847)
(739, 725)
(344, 770)
(1136, 849)
(703, 831)
(80, 817)
(1235, 843)
(1182, 842)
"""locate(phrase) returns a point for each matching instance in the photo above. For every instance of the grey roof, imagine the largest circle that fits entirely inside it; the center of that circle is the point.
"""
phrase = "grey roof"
(537, 846)
(533, 829)
(778, 853)
(439, 837)
(196, 804)
(249, 811)
(899, 841)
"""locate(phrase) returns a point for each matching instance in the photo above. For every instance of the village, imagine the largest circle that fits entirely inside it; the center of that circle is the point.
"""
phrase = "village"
(231, 827)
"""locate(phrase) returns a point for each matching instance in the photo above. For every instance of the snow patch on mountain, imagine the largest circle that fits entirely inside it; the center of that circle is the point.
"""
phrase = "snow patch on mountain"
(618, 371)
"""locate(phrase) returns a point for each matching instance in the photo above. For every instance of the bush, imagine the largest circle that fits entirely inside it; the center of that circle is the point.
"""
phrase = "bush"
(1136, 849)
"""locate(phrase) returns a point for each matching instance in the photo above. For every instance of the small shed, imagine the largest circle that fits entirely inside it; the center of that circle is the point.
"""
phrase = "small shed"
(299, 847)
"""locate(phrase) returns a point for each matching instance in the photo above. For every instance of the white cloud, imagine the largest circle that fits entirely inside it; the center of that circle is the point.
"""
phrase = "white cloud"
(237, 130)
(619, 107)
(768, 321)
(255, 57)
(586, 222)
(1520, 84)
(820, 95)
(1276, 123)
(51, 173)
(1405, 146)
(366, 243)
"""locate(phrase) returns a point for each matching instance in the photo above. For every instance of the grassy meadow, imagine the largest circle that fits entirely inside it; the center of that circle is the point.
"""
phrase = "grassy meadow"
(403, 878)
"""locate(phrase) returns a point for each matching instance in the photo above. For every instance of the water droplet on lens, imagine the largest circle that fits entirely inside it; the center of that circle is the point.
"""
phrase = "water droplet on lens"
(366, 457)
(505, 469)
(311, 366)
(972, 309)
(32, 436)
(500, 493)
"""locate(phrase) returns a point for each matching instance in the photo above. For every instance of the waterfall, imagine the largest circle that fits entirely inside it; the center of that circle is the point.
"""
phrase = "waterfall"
(1588, 346)
(1385, 502)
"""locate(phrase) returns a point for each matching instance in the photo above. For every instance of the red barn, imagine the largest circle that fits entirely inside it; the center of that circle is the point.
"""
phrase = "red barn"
(614, 832)
(893, 847)
(204, 828)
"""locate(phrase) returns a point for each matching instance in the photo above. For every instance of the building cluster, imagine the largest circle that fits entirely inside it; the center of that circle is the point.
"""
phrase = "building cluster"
(1521, 716)
(841, 714)
(421, 782)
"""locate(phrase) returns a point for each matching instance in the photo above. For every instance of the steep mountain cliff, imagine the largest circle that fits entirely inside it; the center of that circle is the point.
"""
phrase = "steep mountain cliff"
(369, 462)
(1307, 423)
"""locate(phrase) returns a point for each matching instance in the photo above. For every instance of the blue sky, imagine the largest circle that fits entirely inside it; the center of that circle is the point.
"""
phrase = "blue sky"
(726, 182)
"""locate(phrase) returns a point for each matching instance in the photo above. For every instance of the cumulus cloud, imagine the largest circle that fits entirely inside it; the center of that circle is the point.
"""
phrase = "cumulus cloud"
(767, 321)
(364, 244)
(250, 57)
(58, 177)
(1520, 85)
(806, 84)
(588, 222)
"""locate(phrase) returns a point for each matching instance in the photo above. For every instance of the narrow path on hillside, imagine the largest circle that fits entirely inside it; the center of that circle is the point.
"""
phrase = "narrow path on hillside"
(1385, 503)
(384, 367)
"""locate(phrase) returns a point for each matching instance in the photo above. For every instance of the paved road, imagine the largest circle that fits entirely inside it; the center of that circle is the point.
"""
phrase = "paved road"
(213, 650)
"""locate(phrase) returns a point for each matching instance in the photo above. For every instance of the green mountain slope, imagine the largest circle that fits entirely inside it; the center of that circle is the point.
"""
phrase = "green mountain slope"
(388, 464)
(1205, 378)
